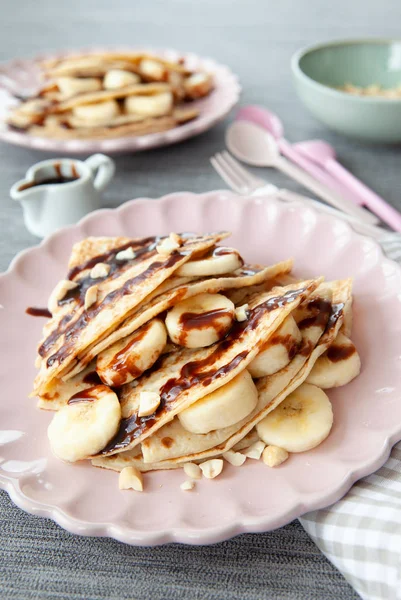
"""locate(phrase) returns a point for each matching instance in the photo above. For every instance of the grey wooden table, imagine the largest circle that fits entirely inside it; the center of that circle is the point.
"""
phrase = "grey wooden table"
(256, 38)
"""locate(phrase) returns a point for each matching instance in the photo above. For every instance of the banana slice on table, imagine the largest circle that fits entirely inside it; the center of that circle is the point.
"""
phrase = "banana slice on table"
(224, 407)
(339, 365)
(200, 321)
(97, 114)
(130, 357)
(150, 106)
(70, 86)
(301, 422)
(222, 260)
(278, 351)
(85, 425)
(118, 78)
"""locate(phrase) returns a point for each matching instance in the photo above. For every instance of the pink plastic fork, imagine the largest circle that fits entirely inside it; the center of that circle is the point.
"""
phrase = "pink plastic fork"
(324, 156)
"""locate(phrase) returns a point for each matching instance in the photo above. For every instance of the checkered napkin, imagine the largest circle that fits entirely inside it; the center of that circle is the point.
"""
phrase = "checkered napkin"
(361, 534)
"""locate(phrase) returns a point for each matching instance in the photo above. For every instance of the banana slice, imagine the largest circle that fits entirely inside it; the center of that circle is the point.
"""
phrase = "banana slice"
(150, 106)
(153, 69)
(222, 260)
(301, 422)
(97, 114)
(198, 85)
(224, 407)
(130, 357)
(200, 321)
(118, 78)
(339, 365)
(85, 425)
(278, 351)
(70, 86)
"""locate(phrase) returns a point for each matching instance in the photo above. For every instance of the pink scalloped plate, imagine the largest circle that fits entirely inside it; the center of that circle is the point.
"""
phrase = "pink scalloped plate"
(253, 498)
(21, 77)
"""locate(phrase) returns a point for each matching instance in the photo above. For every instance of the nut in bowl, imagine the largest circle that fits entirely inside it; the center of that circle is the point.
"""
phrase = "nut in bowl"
(173, 353)
(352, 86)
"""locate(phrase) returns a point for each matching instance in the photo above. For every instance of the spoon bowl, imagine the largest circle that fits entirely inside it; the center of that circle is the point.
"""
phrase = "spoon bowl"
(251, 144)
(264, 118)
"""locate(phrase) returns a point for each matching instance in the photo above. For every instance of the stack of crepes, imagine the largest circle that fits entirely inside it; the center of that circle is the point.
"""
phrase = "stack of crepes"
(111, 95)
(170, 350)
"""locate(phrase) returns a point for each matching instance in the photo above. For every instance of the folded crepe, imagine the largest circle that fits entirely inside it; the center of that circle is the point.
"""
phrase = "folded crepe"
(65, 338)
(127, 284)
(110, 95)
(319, 318)
(118, 339)
(186, 376)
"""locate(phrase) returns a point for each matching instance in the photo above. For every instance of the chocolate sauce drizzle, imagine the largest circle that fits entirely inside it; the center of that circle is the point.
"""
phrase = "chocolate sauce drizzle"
(201, 372)
(123, 363)
(72, 332)
(147, 249)
(88, 395)
(340, 352)
(35, 311)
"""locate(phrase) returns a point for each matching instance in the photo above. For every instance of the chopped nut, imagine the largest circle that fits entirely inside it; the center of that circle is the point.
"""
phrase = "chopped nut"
(241, 313)
(174, 237)
(234, 458)
(90, 296)
(192, 470)
(273, 456)
(148, 403)
(255, 450)
(100, 270)
(212, 468)
(168, 245)
(63, 286)
(130, 478)
(187, 485)
(127, 254)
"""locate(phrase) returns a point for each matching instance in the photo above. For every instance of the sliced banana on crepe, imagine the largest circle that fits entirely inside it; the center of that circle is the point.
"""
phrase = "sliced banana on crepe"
(339, 365)
(130, 357)
(222, 260)
(301, 422)
(225, 406)
(85, 425)
(118, 78)
(278, 351)
(149, 106)
(70, 86)
(97, 114)
(200, 321)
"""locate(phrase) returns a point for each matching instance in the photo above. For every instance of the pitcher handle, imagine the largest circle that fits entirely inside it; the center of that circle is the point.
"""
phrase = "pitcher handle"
(103, 169)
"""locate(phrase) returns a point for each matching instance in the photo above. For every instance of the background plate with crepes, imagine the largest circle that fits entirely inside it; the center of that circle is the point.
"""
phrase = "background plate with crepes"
(251, 498)
(22, 77)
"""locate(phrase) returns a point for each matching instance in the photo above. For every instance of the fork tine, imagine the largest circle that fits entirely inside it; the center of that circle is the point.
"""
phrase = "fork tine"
(225, 176)
(238, 169)
(225, 165)
(229, 177)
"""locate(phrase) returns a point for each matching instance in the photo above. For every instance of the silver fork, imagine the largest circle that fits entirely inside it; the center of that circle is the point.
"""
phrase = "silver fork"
(245, 183)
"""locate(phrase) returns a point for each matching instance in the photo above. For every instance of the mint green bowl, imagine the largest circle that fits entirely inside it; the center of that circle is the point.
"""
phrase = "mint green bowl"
(318, 70)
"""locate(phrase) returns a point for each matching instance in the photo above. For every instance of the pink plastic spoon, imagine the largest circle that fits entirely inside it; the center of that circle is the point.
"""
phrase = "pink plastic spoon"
(323, 155)
(268, 120)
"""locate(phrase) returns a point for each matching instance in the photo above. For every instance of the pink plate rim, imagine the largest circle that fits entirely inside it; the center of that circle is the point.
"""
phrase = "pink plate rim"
(243, 523)
(225, 97)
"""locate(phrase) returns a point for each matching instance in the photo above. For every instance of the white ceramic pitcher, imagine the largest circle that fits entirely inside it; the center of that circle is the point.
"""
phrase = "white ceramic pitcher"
(59, 192)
